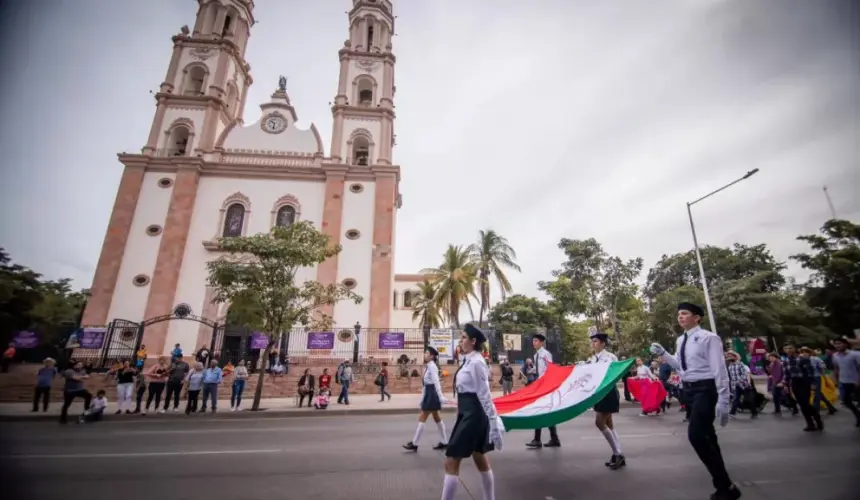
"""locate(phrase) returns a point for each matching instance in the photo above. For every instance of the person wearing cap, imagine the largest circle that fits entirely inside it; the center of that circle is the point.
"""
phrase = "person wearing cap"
(542, 360)
(799, 374)
(739, 380)
(818, 369)
(431, 402)
(700, 362)
(478, 429)
(610, 404)
(846, 374)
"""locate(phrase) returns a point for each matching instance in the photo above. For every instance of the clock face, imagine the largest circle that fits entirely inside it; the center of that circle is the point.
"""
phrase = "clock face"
(274, 124)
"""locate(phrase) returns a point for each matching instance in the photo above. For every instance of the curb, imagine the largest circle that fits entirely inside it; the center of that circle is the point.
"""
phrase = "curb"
(248, 414)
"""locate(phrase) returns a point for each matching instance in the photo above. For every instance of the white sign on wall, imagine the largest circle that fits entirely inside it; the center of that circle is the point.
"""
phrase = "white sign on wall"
(442, 339)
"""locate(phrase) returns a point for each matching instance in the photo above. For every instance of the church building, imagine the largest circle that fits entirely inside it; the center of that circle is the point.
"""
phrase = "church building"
(204, 173)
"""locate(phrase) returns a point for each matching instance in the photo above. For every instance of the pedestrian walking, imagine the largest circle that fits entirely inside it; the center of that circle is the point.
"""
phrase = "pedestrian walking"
(542, 359)
(432, 400)
(846, 373)
(701, 364)
(798, 374)
(611, 403)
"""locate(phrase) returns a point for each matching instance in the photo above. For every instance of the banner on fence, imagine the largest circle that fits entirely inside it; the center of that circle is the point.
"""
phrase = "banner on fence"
(321, 340)
(26, 340)
(259, 340)
(442, 339)
(392, 340)
(512, 342)
(91, 338)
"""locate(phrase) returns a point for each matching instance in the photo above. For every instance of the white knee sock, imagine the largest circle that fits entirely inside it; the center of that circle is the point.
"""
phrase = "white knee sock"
(607, 433)
(449, 487)
(442, 431)
(418, 432)
(488, 485)
(617, 442)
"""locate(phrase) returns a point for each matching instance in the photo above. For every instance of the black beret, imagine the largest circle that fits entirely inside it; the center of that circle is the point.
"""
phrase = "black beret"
(600, 336)
(432, 351)
(693, 308)
(475, 333)
(540, 337)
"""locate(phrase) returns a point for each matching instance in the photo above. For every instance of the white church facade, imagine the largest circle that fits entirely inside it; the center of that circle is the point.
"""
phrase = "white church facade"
(204, 174)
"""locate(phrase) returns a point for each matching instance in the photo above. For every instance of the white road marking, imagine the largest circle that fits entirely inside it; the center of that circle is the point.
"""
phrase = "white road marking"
(214, 430)
(140, 455)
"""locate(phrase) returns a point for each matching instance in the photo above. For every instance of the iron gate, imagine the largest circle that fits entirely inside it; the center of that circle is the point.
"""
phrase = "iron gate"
(122, 340)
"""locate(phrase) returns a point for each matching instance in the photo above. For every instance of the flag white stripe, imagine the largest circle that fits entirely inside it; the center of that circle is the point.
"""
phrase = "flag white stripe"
(582, 382)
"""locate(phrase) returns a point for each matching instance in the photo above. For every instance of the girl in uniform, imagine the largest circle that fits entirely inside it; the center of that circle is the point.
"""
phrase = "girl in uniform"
(610, 403)
(478, 429)
(431, 402)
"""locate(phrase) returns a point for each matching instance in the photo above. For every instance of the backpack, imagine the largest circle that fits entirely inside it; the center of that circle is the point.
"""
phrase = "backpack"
(379, 380)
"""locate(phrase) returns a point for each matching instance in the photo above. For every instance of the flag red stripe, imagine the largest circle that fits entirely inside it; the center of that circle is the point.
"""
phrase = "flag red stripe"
(549, 382)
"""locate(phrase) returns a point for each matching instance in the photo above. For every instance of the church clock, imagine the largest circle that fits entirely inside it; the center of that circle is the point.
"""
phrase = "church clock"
(274, 124)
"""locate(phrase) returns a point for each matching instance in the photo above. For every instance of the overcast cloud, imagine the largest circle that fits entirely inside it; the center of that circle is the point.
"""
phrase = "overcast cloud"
(541, 119)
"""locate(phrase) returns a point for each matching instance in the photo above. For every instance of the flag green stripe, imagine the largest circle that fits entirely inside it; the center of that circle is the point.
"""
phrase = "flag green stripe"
(613, 374)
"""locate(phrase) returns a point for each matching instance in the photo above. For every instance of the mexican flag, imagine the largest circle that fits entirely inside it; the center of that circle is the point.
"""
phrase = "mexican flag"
(563, 393)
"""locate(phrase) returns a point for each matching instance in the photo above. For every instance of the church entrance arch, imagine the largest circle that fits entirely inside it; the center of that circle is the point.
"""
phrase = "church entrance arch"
(181, 312)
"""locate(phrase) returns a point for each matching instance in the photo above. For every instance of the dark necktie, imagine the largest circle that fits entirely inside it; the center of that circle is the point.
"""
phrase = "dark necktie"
(684, 352)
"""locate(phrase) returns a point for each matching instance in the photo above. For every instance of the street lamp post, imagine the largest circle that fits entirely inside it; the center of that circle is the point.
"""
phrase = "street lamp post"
(711, 320)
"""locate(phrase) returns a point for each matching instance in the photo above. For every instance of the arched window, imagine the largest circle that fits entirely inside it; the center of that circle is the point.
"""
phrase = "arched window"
(195, 79)
(365, 92)
(234, 219)
(232, 99)
(360, 151)
(228, 24)
(407, 299)
(177, 141)
(286, 216)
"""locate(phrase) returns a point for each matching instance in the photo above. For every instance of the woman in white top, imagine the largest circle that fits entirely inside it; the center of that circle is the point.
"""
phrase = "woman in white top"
(240, 380)
(431, 402)
(478, 429)
(642, 370)
(610, 403)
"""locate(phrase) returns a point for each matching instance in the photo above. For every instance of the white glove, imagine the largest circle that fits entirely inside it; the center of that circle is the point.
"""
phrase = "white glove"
(722, 414)
(657, 349)
(496, 429)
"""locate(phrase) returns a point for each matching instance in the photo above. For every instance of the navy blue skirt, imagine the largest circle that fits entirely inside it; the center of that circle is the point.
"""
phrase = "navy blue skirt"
(471, 433)
(610, 403)
(430, 400)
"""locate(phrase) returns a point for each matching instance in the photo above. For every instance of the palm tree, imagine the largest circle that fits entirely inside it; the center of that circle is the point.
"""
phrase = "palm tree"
(425, 306)
(455, 282)
(490, 255)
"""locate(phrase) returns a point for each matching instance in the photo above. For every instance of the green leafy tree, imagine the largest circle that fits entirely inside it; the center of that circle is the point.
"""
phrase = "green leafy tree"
(262, 268)
(425, 306)
(721, 264)
(455, 281)
(834, 286)
(491, 256)
(521, 314)
(591, 282)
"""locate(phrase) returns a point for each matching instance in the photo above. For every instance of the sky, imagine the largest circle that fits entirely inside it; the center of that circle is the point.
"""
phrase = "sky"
(541, 120)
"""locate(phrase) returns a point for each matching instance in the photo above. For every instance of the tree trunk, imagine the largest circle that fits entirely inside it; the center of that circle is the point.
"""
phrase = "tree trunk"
(258, 391)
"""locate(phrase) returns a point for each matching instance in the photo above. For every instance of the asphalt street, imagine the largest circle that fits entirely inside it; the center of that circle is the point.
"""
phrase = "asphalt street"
(359, 457)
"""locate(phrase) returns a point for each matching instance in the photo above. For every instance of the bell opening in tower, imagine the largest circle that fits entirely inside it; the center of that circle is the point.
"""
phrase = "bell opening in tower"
(369, 38)
(228, 21)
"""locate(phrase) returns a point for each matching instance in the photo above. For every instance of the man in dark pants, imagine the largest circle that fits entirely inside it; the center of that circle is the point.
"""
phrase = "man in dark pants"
(74, 388)
(798, 374)
(701, 364)
(542, 360)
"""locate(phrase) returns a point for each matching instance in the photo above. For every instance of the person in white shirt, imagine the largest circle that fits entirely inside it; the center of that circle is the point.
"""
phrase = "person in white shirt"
(431, 402)
(542, 360)
(97, 408)
(701, 364)
(846, 373)
(478, 429)
(610, 403)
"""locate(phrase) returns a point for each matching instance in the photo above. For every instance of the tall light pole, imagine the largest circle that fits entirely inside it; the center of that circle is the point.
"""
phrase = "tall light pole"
(711, 320)
(829, 202)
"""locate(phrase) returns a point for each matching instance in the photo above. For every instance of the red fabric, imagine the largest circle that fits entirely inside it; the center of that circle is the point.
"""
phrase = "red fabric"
(649, 393)
(549, 382)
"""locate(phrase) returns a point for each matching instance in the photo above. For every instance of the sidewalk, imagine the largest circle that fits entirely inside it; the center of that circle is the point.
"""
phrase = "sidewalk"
(360, 404)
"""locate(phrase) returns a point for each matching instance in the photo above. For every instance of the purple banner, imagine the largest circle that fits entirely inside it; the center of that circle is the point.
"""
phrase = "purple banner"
(259, 340)
(26, 340)
(92, 338)
(391, 340)
(321, 340)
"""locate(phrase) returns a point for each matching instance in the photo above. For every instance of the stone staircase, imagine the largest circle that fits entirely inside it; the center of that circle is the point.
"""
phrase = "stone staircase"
(17, 385)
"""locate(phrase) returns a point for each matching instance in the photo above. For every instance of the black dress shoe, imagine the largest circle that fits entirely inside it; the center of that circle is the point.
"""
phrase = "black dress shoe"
(733, 493)
(620, 462)
(440, 446)
(553, 443)
(534, 444)
(410, 446)
(611, 461)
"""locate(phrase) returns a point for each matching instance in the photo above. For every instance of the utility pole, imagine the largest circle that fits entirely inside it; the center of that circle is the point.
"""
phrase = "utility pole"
(829, 202)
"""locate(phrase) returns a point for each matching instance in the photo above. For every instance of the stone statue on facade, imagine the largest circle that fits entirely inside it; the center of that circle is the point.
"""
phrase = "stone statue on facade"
(282, 84)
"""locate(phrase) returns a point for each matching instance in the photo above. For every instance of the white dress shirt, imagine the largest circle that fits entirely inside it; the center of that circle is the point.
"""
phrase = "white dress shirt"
(542, 359)
(644, 372)
(705, 360)
(603, 357)
(474, 377)
(431, 376)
